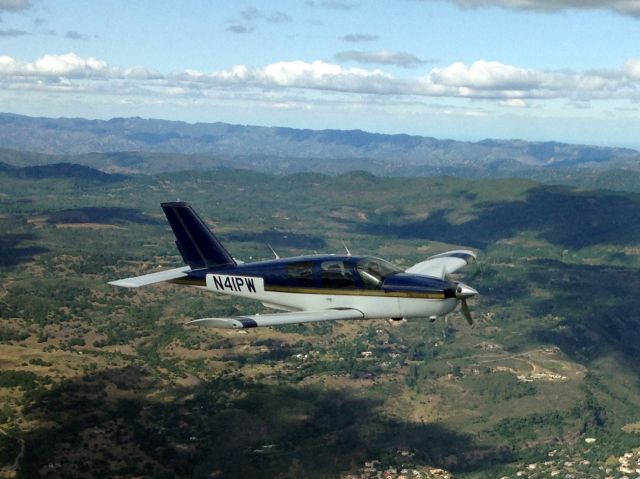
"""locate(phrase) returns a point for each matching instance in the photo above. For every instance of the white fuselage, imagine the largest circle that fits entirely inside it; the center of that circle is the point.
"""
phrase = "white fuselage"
(373, 305)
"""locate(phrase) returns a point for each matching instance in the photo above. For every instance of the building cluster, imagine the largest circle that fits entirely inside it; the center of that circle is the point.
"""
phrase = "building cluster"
(375, 470)
(574, 466)
(529, 378)
(630, 463)
(560, 465)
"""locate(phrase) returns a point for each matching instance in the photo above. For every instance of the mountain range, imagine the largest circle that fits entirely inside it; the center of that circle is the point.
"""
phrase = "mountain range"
(137, 145)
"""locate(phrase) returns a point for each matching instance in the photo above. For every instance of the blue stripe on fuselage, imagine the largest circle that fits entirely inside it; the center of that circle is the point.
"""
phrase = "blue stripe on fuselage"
(276, 273)
(418, 283)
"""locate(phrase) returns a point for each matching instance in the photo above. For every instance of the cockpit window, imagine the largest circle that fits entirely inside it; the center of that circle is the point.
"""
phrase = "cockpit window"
(373, 271)
(301, 273)
(335, 274)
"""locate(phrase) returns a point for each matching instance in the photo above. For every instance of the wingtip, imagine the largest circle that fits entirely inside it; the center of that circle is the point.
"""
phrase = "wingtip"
(122, 283)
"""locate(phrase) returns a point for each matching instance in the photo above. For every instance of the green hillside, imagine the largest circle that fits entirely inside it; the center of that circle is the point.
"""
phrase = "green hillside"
(104, 382)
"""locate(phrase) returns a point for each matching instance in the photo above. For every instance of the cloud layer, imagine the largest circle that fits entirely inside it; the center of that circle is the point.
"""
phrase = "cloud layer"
(14, 5)
(508, 84)
(625, 7)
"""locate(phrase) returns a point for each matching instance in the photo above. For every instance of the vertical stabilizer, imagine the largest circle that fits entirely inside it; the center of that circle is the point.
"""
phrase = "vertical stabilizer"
(197, 244)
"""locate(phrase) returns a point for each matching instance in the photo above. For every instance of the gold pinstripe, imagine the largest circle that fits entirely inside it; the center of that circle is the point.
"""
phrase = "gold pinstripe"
(330, 291)
(355, 292)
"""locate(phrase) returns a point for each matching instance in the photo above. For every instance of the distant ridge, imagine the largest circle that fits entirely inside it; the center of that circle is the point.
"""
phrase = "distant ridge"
(139, 145)
(59, 170)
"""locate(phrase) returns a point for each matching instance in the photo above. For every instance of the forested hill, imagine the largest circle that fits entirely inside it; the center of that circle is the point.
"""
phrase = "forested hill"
(276, 150)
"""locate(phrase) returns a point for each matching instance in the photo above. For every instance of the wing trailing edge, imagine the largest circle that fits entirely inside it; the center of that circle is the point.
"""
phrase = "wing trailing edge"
(278, 319)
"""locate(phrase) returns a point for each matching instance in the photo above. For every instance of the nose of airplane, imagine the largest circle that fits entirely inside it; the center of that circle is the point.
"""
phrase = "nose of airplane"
(463, 291)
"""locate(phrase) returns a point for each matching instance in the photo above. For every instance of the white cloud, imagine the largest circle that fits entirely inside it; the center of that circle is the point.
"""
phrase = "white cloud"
(6, 64)
(485, 75)
(317, 75)
(68, 65)
(484, 79)
(632, 68)
(515, 103)
(511, 85)
(137, 73)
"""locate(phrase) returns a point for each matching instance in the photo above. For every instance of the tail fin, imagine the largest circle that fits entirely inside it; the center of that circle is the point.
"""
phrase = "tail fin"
(195, 241)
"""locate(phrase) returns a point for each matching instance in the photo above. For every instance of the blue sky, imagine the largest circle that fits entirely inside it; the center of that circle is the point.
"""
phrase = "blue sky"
(565, 70)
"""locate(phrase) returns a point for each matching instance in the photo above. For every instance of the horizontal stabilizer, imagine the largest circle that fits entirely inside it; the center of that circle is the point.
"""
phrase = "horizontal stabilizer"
(277, 319)
(159, 277)
(440, 265)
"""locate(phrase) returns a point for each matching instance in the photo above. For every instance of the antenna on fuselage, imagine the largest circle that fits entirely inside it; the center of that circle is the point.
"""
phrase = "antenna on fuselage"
(347, 249)
(273, 251)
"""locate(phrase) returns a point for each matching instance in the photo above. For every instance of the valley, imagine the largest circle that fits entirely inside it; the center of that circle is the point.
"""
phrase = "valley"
(99, 381)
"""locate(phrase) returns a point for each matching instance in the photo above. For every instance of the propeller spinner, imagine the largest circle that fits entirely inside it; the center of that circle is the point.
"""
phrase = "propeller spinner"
(462, 293)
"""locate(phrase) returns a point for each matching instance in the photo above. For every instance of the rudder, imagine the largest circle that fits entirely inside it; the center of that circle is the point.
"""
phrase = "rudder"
(197, 244)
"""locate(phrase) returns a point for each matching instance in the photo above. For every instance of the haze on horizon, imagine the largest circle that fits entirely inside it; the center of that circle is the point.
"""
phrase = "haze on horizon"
(538, 70)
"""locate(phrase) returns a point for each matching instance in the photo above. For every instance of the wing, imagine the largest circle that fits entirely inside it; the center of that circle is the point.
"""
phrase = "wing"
(443, 264)
(276, 319)
(159, 277)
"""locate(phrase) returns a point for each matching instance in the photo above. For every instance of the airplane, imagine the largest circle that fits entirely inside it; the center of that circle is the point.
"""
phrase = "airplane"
(320, 287)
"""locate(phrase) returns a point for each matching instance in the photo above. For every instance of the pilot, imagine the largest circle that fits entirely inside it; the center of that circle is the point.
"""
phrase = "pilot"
(374, 269)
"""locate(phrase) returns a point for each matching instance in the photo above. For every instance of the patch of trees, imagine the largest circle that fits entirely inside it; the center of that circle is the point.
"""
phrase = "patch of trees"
(526, 427)
(30, 383)
(9, 449)
(8, 334)
(499, 386)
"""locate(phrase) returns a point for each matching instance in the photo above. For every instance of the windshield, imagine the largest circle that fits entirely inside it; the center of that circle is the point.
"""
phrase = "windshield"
(373, 271)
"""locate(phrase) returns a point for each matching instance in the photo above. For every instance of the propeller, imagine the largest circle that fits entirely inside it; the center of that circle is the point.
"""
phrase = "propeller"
(462, 293)
(466, 312)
